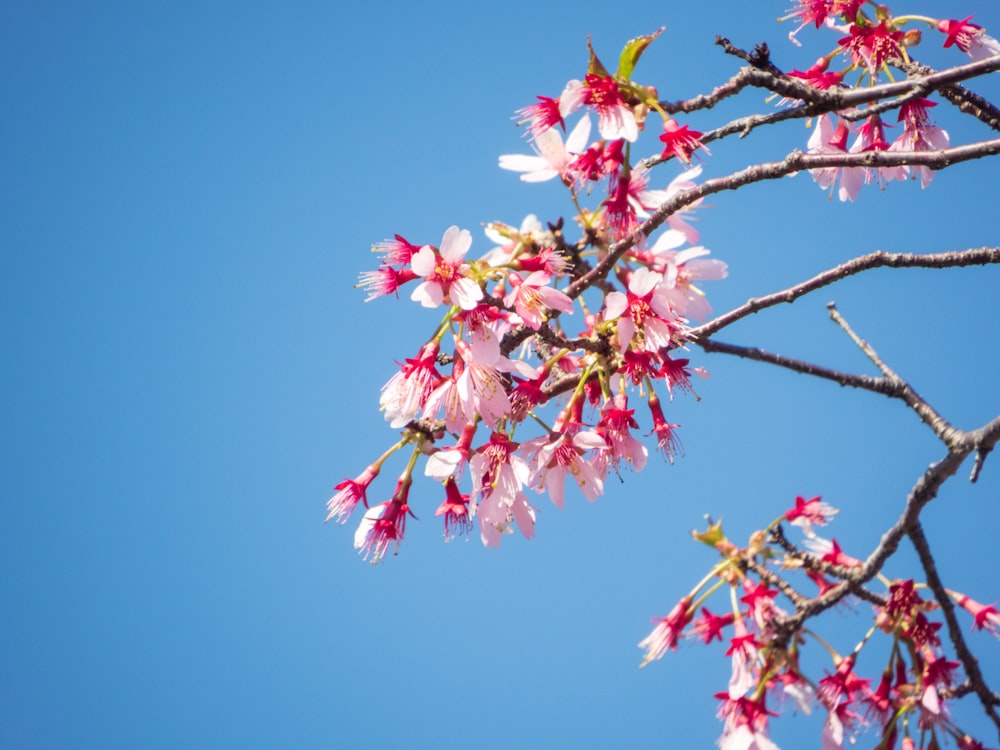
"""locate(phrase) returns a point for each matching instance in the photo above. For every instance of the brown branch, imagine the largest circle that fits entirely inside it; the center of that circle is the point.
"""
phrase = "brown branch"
(877, 259)
(922, 493)
(881, 386)
(966, 101)
(928, 415)
(794, 162)
(962, 650)
(846, 102)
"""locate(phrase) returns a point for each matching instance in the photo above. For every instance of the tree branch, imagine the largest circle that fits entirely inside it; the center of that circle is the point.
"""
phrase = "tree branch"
(877, 259)
(962, 651)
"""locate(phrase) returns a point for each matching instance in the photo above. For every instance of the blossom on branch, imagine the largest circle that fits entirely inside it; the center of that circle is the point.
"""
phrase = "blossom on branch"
(444, 272)
(970, 38)
(615, 118)
(552, 157)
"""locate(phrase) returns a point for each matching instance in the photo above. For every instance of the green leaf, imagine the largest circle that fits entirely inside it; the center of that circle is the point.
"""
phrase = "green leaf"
(595, 66)
(632, 52)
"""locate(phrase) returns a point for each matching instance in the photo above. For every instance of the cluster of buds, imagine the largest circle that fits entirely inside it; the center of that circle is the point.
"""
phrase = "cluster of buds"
(503, 353)
(869, 44)
(911, 682)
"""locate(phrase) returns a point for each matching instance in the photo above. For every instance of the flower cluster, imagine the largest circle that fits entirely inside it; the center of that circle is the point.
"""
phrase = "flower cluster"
(504, 353)
(570, 335)
(869, 43)
(907, 687)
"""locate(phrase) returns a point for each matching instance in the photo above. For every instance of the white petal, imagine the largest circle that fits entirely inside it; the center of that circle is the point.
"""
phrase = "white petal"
(455, 243)
(423, 261)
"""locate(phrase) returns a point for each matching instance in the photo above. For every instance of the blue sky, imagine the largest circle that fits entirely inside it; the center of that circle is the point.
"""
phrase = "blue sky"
(189, 195)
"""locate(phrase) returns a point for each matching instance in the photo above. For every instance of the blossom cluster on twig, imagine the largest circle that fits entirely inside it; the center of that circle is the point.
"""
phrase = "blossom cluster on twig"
(568, 334)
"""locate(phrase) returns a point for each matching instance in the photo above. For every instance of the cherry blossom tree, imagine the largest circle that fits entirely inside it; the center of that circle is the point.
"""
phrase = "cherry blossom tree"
(559, 350)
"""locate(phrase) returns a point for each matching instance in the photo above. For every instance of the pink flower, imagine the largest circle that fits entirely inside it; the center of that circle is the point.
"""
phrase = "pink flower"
(444, 272)
(455, 510)
(350, 493)
(681, 271)
(830, 552)
(680, 142)
(970, 38)
(556, 458)
(843, 683)
(480, 386)
(985, 616)
(646, 200)
(826, 140)
(666, 441)
(871, 137)
(406, 393)
(809, 512)
(614, 118)
(397, 251)
(760, 603)
(667, 631)
(447, 462)
(597, 162)
(644, 312)
(552, 158)
(541, 116)
(743, 650)
(498, 476)
(532, 296)
(475, 386)
(383, 525)
(873, 45)
(384, 281)
(619, 210)
(817, 76)
(820, 12)
(838, 719)
(745, 724)
(616, 427)
(708, 626)
(919, 135)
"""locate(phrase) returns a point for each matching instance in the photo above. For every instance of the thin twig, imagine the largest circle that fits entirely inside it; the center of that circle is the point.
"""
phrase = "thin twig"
(882, 386)
(945, 432)
(877, 259)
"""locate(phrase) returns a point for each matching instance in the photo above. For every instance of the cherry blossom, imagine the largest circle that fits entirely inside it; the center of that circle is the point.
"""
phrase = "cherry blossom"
(552, 157)
(970, 38)
(615, 118)
(682, 269)
(667, 631)
(873, 44)
(553, 459)
(644, 312)
(827, 140)
(498, 477)
(444, 272)
(679, 141)
(616, 427)
(406, 393)
(532, 296)
(541, 116)
(455, 510)
(383, 525)
(985, 616)
(349, 493)
(667, 442)
(919, 135)
(807, 513)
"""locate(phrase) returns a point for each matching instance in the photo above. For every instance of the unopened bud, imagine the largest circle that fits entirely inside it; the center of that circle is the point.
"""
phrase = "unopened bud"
(912, 38)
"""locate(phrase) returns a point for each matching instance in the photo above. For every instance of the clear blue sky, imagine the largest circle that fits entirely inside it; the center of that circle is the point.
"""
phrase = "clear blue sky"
(189, 192)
